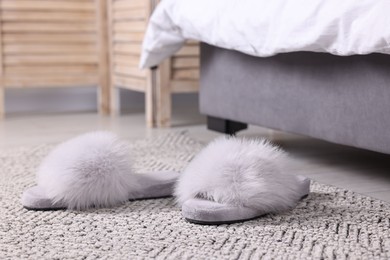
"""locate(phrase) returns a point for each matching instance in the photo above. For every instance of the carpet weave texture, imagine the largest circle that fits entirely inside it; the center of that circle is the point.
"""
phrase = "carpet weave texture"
(330, 224)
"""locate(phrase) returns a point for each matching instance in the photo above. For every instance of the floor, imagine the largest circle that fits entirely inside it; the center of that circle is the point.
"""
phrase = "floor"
(362, 171)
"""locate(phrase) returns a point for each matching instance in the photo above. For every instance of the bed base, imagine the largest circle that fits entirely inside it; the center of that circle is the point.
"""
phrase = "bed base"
(345, 100)
(225, 126)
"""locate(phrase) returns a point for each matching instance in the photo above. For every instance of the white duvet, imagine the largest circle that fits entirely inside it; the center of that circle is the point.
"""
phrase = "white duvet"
(267, 27)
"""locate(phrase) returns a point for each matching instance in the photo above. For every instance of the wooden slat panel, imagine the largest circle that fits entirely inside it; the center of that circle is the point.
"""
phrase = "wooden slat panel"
(130, 26)
(128, 48)
(2, 86)
(51, 59)
(163, 94)
(184, 86)
(37, 16)
(114, 92)
(188, 51)
(130, 83)
(49, 38)
(47, 5)
(129, 37)
(49, 48)
(185, 62)
(1, 73)
(51, 81)
(133, 4)
(185, 74)
(128, 60)
(48, 27)
(103, 56)
(132, 14)
(50, 43)
(192, 42)
(52, 69)
(130, 71)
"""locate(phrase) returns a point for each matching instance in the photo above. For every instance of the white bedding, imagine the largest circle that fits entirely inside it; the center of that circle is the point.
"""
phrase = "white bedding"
(267, 27)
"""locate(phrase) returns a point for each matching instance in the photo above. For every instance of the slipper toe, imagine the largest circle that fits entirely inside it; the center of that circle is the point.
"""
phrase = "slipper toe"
(200, 211)
(34, 198)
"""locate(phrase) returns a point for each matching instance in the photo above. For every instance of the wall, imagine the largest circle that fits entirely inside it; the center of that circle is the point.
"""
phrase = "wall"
(76, 100)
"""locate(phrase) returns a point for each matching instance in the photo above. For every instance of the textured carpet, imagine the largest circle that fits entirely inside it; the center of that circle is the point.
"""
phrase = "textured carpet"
(331, 223)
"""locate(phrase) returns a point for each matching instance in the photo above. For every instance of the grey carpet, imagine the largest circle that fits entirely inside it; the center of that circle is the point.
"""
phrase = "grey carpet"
(331, 223)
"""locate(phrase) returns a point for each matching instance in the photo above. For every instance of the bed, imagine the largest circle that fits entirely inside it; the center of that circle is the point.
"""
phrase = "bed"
(320, 71)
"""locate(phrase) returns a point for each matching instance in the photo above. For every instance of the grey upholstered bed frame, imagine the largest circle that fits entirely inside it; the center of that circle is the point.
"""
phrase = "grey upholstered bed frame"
(345, 100)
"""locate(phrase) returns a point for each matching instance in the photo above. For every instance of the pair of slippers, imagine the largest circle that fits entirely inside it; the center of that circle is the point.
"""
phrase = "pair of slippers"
(231, 180)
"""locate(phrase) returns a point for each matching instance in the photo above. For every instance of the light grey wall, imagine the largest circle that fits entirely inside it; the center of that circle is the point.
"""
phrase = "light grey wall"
(76, 99)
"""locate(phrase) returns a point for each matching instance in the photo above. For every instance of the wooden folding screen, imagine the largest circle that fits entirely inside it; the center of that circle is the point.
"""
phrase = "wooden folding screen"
(76, 43)
(127, 24)
(61, 43)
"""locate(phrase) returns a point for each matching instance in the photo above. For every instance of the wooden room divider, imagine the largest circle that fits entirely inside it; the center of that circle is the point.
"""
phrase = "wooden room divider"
(68, 43)
(127, 24)
(61, 43)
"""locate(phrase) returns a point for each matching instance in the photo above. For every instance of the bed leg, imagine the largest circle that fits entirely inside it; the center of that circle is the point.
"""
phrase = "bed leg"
(224, 126)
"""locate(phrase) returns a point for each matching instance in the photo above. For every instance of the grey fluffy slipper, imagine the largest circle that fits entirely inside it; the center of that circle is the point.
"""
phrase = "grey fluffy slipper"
(93, 170)
(233, 180)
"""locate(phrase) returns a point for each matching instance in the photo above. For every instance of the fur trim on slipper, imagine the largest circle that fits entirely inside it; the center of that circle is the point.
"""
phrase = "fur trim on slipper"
(241, 172)
(91, 170)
